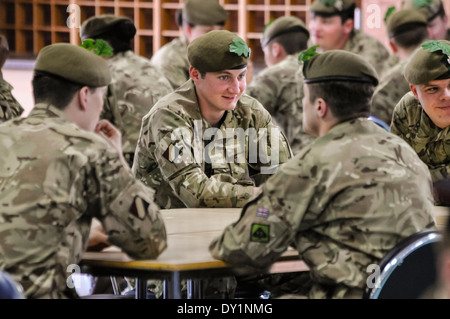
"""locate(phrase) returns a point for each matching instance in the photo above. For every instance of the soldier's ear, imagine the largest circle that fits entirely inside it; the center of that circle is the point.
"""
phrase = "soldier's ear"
(321, 107)
(194, 74)
(83, 98)
(414, 91)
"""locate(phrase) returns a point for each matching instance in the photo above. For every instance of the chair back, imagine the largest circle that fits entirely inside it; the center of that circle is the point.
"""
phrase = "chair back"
(409, 269)
(9, 288)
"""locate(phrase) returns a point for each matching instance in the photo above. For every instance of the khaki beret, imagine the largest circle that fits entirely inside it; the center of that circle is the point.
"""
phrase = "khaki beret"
(431, 8)
(96, 25)
(283, 25)
(73, 63)
(218, 50)
(204, 12)
(425, 66)
(339, 65)
(404, 20)
(331, 7)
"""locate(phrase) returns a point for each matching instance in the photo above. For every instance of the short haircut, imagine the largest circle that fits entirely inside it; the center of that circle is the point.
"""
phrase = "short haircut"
(347, 100)
(54, 90)
(292, 42)
(411, 38)
(349, 13)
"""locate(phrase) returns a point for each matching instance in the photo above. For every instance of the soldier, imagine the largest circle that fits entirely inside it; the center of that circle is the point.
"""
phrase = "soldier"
(277, 86)
(9, 106)
(207, 144)
(136, 83)
(422, 116)
(61, 167)
(196, 18)
(332, 27)
(346, 199)
(407, 29)
(436, 17)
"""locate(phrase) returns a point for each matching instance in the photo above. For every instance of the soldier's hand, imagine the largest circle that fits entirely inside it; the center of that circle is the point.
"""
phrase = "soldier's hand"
(4, 50)
(110, 133)
(98, 239)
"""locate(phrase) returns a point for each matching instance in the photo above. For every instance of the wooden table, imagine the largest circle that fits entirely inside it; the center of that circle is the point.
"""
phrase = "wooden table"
(190, 231)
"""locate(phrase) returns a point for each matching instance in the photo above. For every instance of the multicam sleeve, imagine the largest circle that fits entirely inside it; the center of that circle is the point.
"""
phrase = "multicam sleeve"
(266, 229)
(9, 106)
(129, 215)
(182, 168)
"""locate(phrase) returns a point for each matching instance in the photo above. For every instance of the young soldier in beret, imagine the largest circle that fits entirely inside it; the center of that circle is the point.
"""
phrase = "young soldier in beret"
(61, 167)
(346, 199)
(276, 86)
(186, 149)
(196, 18)
(197, 146)
(436, 17)
(332, 27)
(136, 83)
(9, 106)
(422, 117)
(407, 29)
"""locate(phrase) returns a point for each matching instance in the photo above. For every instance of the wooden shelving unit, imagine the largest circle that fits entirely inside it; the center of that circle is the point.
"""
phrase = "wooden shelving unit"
(30, 25)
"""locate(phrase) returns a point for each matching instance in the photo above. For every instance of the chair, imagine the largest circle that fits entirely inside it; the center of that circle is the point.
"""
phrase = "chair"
(409, 268)
(379, 122)
(9, 288)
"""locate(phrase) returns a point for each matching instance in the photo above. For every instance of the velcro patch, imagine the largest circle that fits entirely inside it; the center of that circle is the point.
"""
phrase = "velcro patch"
(262, 212)
(260, 233)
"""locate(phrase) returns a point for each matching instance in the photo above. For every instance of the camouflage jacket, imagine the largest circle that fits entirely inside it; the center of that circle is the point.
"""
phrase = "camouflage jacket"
(137, 85)
(343, 203)
(191, 164)
(430, 142)
(9, 106)
(389, 92)
(370, 48)
(54, 178)
(172, 60)
(277, 88)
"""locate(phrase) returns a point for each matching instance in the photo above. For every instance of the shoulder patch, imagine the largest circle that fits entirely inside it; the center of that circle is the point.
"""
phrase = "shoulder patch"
(260, 233)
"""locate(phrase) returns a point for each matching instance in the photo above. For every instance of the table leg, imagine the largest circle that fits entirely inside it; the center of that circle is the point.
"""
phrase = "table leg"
(194, 287)
(141, 288)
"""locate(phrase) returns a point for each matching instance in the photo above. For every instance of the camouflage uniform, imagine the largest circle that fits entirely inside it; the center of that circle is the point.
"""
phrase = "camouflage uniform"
(9, 106)
(368, 47)
(343, 203)
(173, 62)
(278, 89)
(137, 85)
(189, 180)
(389, 91)
(430, 142)
(54, 179)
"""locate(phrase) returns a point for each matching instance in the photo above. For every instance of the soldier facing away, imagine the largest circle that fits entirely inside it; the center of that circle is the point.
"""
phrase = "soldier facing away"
(60, 168)
(136, 84)
(346, 199)
(277, 86)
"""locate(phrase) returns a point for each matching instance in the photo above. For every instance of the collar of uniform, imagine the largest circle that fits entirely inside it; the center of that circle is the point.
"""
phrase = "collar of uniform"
(45, 110)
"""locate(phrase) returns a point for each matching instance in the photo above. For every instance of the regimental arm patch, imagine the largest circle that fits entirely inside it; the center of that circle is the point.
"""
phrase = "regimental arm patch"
(260, 233)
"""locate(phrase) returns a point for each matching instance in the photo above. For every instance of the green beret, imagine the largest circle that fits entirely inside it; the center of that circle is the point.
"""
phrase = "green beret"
(283, 25)
(204, 12)
(73, 63)
(404, 20)
(331, 7)
(99, 24)
(218, 50)
(431, 8)
(339, 65)
(429, 63)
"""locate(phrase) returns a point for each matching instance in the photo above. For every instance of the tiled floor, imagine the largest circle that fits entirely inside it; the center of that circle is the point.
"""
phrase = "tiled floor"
(19, 75)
